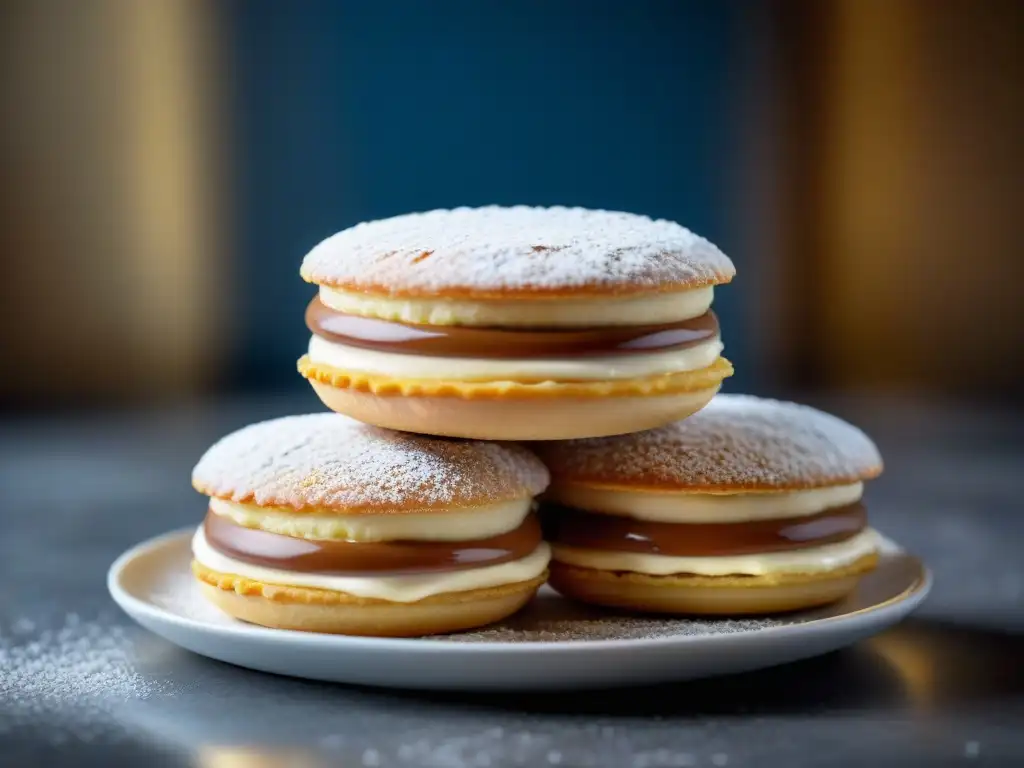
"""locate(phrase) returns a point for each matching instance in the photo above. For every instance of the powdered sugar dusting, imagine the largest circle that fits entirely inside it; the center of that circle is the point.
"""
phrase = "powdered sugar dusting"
(516, 250)
(550, 618)
(83, 664)
(736, 442)
(326, 460)
(527, 630)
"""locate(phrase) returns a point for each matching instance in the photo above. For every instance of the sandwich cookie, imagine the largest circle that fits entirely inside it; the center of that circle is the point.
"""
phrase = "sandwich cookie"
(323, 524)
(515, 323)
(749, 506)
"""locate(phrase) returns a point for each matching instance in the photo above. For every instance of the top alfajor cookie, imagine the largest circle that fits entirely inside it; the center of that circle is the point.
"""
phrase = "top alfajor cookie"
(737, 443)
(516, 253)
(328, 462)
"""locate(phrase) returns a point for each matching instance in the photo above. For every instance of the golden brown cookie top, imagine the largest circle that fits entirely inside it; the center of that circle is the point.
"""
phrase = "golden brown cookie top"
(519, 252)
(736, 443)
(328, 461)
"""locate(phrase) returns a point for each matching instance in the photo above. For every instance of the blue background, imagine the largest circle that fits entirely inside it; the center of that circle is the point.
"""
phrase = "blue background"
(354, 110)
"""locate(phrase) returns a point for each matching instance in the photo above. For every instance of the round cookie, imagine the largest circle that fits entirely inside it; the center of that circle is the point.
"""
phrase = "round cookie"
(515, 323)
(321, 523)
(749, 506)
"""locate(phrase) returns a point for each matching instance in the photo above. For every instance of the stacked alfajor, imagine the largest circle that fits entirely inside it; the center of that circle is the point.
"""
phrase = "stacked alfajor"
(321, 523)
(515, 323)
(749, 506)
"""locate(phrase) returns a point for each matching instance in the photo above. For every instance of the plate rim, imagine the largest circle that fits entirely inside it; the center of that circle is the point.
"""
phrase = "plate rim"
(128, 602)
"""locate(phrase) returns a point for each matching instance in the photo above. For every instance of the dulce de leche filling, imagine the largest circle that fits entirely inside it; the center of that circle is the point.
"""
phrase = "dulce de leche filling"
(505, 343)
(589, 530)
(350, 558)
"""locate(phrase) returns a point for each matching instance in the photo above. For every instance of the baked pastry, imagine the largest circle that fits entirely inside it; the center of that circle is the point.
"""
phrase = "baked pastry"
(515, 323)
(320, 523)
(749, 506)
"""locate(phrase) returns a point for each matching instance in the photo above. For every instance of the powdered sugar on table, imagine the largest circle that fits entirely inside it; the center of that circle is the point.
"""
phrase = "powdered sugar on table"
(82, 665)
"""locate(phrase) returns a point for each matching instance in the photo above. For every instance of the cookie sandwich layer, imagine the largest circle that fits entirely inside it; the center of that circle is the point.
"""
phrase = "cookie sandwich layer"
(318, 522)
(748, 494)
(509, 323)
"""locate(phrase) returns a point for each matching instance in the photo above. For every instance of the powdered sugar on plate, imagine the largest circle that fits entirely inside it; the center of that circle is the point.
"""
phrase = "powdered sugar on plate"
(551, 618)
(737, 442)
(519, 250)
(327, 460)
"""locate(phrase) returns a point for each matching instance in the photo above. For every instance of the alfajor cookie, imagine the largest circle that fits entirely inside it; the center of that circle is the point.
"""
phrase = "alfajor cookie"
(749, 506)
(515, 323)
(324, 524)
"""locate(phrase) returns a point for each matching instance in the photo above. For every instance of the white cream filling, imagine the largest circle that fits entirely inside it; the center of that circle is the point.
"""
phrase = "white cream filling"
(812, 560)
(564, 313)
(456, 525)
(600, 368)
(397, 589)
(670, 507)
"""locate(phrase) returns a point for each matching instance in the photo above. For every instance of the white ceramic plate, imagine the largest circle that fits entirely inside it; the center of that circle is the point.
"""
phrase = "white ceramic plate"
(551, 644)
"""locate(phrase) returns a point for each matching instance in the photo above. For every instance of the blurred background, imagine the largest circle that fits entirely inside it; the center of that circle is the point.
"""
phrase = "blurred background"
(166, 165)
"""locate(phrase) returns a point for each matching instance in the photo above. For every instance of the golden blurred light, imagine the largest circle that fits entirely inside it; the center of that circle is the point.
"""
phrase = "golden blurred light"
(255, 757)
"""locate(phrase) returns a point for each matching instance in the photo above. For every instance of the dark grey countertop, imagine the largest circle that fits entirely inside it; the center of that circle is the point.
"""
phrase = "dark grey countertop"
(81, 685)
